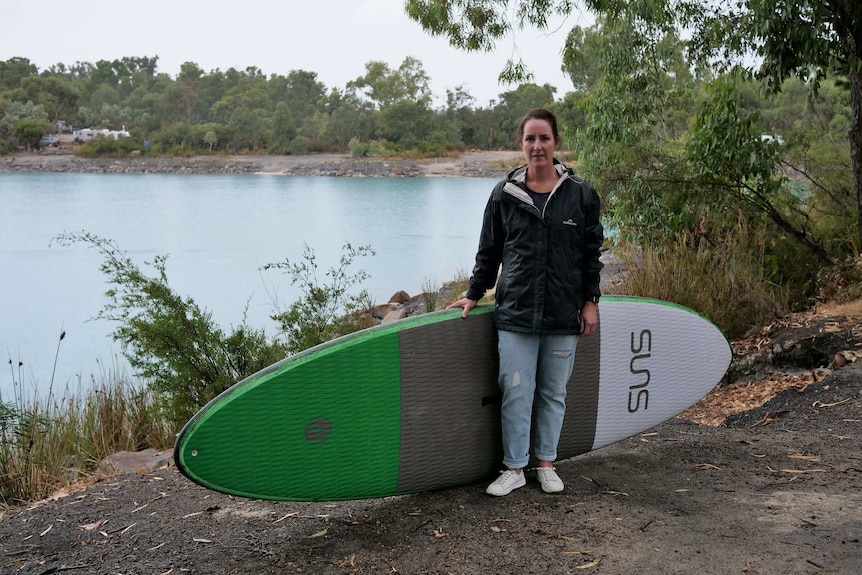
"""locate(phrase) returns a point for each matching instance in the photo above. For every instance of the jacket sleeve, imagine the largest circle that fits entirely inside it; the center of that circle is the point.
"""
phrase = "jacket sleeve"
(490, 252)
(593, 239)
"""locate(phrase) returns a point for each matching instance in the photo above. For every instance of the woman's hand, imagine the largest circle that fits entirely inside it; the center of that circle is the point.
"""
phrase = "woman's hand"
(589, 318)
(465, 303)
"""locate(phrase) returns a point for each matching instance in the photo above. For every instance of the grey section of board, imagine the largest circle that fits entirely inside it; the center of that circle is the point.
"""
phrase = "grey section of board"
(450, 410)
(582, 398)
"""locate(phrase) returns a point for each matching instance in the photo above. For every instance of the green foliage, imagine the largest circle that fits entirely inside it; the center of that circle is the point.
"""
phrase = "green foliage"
(109, 147)
(169, 340)
(735, 159)
(325, 310)
(299, 145)
(29, 131)
(359, 149)
(385, 87)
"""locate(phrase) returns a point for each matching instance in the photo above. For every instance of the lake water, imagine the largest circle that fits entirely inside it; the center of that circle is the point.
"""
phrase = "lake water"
(217, 231)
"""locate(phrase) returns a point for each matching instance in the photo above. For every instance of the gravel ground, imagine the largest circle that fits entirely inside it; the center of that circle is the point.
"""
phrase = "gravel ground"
(781, 495)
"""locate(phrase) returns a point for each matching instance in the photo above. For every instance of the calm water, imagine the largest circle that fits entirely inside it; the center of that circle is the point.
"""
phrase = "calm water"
(217, 231)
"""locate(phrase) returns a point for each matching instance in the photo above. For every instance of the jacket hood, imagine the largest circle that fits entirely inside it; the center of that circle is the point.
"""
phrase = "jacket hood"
(519, 174)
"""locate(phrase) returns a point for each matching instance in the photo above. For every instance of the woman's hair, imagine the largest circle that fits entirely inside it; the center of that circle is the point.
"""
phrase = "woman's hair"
(539, 114)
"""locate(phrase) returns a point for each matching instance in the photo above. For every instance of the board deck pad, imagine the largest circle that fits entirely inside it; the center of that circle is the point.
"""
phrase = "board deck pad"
(414, 405)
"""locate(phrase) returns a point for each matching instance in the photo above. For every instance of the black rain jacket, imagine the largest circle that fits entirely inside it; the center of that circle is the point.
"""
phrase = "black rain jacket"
(550, 260)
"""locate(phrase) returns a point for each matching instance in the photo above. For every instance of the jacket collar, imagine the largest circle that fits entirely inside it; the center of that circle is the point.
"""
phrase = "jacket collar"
(519, 174)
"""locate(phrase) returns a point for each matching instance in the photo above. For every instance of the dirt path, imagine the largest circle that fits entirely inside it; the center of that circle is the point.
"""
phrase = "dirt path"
(780, 496)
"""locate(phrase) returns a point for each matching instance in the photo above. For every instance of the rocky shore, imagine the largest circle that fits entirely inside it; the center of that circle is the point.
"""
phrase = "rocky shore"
(469, 164)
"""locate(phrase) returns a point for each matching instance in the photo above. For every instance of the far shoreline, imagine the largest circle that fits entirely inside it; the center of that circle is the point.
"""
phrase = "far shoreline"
(492, 164)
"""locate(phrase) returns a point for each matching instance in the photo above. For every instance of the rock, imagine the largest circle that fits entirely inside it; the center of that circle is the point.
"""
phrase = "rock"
(395, 315)
(145, 461)
(399, 297)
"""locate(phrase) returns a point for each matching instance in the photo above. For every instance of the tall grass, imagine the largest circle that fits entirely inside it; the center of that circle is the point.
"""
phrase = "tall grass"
(726, 280)
(47, 444)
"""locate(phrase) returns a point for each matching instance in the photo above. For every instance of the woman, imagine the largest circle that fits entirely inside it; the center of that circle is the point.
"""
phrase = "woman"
(542, 225)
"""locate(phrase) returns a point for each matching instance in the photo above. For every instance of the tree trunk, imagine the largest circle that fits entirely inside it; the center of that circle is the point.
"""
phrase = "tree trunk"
(855, 80)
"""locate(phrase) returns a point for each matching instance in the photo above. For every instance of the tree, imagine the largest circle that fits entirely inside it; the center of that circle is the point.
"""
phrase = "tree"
(302, 93)
(385, 86)
(406, 123)
(283, 128)
(59, 98)
(809, 39)
(14, 70)
(29, 131)
(805, 38)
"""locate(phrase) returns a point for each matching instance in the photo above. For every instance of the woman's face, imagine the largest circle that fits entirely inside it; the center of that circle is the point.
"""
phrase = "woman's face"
(538, 143)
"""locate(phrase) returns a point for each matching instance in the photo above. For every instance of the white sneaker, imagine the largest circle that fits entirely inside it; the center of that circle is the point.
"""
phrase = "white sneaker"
(507, 482)
(551, 482)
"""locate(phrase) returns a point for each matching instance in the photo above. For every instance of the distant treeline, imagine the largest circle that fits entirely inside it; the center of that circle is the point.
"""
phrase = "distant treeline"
(239, 111)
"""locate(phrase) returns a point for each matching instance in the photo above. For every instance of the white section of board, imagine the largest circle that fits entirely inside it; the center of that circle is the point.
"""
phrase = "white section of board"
(657, 360)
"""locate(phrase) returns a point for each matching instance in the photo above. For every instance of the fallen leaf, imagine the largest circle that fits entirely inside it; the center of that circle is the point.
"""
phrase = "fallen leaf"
(348, 561)
(588, 565)
(705, 466)
(821, 404)
(320, 533)
(93, 526)
(803, 457)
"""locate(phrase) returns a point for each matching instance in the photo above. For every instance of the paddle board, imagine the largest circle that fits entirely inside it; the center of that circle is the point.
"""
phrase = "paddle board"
(414, 405)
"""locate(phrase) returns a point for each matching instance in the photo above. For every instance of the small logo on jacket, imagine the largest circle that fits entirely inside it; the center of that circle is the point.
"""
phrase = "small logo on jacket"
(570, 222)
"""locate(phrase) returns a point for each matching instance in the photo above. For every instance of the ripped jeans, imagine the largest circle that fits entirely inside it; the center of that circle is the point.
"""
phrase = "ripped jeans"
(534, 371)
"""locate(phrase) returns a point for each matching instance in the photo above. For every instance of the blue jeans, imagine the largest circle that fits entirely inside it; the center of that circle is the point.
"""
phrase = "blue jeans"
(534, 371)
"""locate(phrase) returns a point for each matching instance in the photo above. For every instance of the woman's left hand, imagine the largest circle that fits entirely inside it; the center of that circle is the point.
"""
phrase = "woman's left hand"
(589, 318)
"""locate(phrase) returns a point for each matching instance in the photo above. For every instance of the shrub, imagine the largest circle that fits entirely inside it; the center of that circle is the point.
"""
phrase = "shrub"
(108, 146)
(324, 311)
(726, 281)
(299, 145)
(169, 340)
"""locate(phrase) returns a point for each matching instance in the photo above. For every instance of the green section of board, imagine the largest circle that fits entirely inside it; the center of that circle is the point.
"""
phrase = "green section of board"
(342, 437)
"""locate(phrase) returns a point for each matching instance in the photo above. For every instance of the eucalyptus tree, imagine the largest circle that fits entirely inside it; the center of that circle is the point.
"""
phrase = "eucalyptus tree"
(13, 70)
(181, 98)
(57, 96)
(384, 86)
(303, 93)
(349, 117)
(804, 38)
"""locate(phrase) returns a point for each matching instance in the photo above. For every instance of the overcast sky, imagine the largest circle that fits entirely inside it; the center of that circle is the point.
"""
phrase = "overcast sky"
(334, 38)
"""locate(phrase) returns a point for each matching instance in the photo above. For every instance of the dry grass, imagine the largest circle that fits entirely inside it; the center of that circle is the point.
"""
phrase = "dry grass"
(724, 280)
(49, 444)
